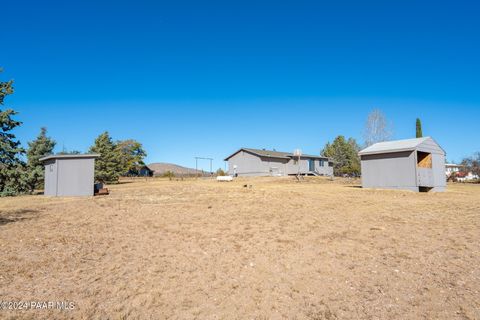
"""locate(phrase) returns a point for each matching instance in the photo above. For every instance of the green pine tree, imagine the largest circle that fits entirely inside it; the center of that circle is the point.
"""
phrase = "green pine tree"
(12, 168)
(38, 148)
(344, 154)
(108, 166)
(419, 128)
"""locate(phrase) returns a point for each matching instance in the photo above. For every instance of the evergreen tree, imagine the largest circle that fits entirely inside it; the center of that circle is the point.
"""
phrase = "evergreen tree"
(66, 152)
(38, 148)
(108, 167)
(131, 155)
(344, 154)
(12, 168)
(419, 128)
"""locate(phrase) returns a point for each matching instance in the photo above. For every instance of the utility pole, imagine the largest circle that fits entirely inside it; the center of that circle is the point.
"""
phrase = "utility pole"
(202, 158)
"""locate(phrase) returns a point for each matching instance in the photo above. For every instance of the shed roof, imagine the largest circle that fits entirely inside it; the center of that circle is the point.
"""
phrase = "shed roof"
(273, 154)
(70, 156)
(395, 146)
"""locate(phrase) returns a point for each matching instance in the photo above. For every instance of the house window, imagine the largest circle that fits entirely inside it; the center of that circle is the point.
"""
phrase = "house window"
(322, 163)
(51, 168)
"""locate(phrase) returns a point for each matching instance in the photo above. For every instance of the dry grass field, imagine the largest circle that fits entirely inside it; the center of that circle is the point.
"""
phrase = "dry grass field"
(276, 249)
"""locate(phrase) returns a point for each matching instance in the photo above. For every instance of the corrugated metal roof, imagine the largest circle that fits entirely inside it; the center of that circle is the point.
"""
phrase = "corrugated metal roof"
(394, 146)
(273, 154)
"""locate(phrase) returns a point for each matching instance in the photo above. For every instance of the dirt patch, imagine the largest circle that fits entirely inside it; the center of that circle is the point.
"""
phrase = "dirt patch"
(279, 249)
(16, 215)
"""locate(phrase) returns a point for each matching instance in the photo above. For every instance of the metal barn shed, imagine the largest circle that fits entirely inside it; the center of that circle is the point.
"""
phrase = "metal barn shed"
(69, 175)
(413, 164)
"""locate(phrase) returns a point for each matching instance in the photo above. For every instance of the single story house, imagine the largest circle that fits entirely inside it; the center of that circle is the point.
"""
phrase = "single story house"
(140, 171)
(261, 162)
(412, 164)
(453, 168)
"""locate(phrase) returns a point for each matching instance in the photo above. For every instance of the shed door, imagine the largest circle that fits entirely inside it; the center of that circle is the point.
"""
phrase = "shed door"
(311, 165)
(50, 188)
(425, 177)
(424, 169)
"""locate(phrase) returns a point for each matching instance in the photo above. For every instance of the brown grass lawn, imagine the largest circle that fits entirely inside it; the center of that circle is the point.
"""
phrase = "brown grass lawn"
(276, 250)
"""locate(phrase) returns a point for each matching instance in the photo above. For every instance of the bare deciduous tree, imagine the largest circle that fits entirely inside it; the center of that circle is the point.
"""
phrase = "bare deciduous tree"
(377, 128)
(472, 164)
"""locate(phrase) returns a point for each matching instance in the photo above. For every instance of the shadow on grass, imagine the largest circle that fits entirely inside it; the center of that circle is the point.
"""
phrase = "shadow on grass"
(123, 182)
(355, 187)
(7, 217)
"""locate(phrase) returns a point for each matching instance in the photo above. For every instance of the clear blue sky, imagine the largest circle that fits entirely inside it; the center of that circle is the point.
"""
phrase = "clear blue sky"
(205, 78)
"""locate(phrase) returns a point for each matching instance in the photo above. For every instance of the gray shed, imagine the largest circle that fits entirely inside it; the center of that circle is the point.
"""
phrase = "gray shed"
(69, 175)
(413, 164)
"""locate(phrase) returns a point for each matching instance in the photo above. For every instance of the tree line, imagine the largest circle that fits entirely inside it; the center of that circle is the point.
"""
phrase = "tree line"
(344, 151)
(19, 175)
(472, 164)
(125, 157)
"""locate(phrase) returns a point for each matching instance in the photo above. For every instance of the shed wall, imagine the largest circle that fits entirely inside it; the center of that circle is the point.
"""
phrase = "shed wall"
(430, 146)
(75, 177)
(389, 171)
(439, 177)
(50, 188)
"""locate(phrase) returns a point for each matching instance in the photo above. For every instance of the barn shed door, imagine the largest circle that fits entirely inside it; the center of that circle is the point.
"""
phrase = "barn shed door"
(425, 177)
(424, 169)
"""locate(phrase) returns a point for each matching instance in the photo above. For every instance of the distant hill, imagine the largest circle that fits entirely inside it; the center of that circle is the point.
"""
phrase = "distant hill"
(160, 168)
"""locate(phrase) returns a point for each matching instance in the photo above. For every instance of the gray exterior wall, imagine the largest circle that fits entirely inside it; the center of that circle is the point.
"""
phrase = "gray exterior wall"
(292, 167)
(438, 164)
(69, 177)
(431, 147)
(249, 164)
(399, 170)
(252, 165)
(390, 171)
(439, 176)
(50, 188)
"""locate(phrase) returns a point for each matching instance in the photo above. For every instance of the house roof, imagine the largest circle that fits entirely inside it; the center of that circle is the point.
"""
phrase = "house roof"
(273, 154)
(454, 165)
(144, 167)
(70, 156)
(394, 146)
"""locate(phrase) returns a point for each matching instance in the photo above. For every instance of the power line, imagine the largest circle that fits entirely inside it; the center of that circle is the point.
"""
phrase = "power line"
(203, 158)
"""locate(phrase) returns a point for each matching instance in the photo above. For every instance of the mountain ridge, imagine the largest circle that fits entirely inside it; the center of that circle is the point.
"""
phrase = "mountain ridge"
(160, 168)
